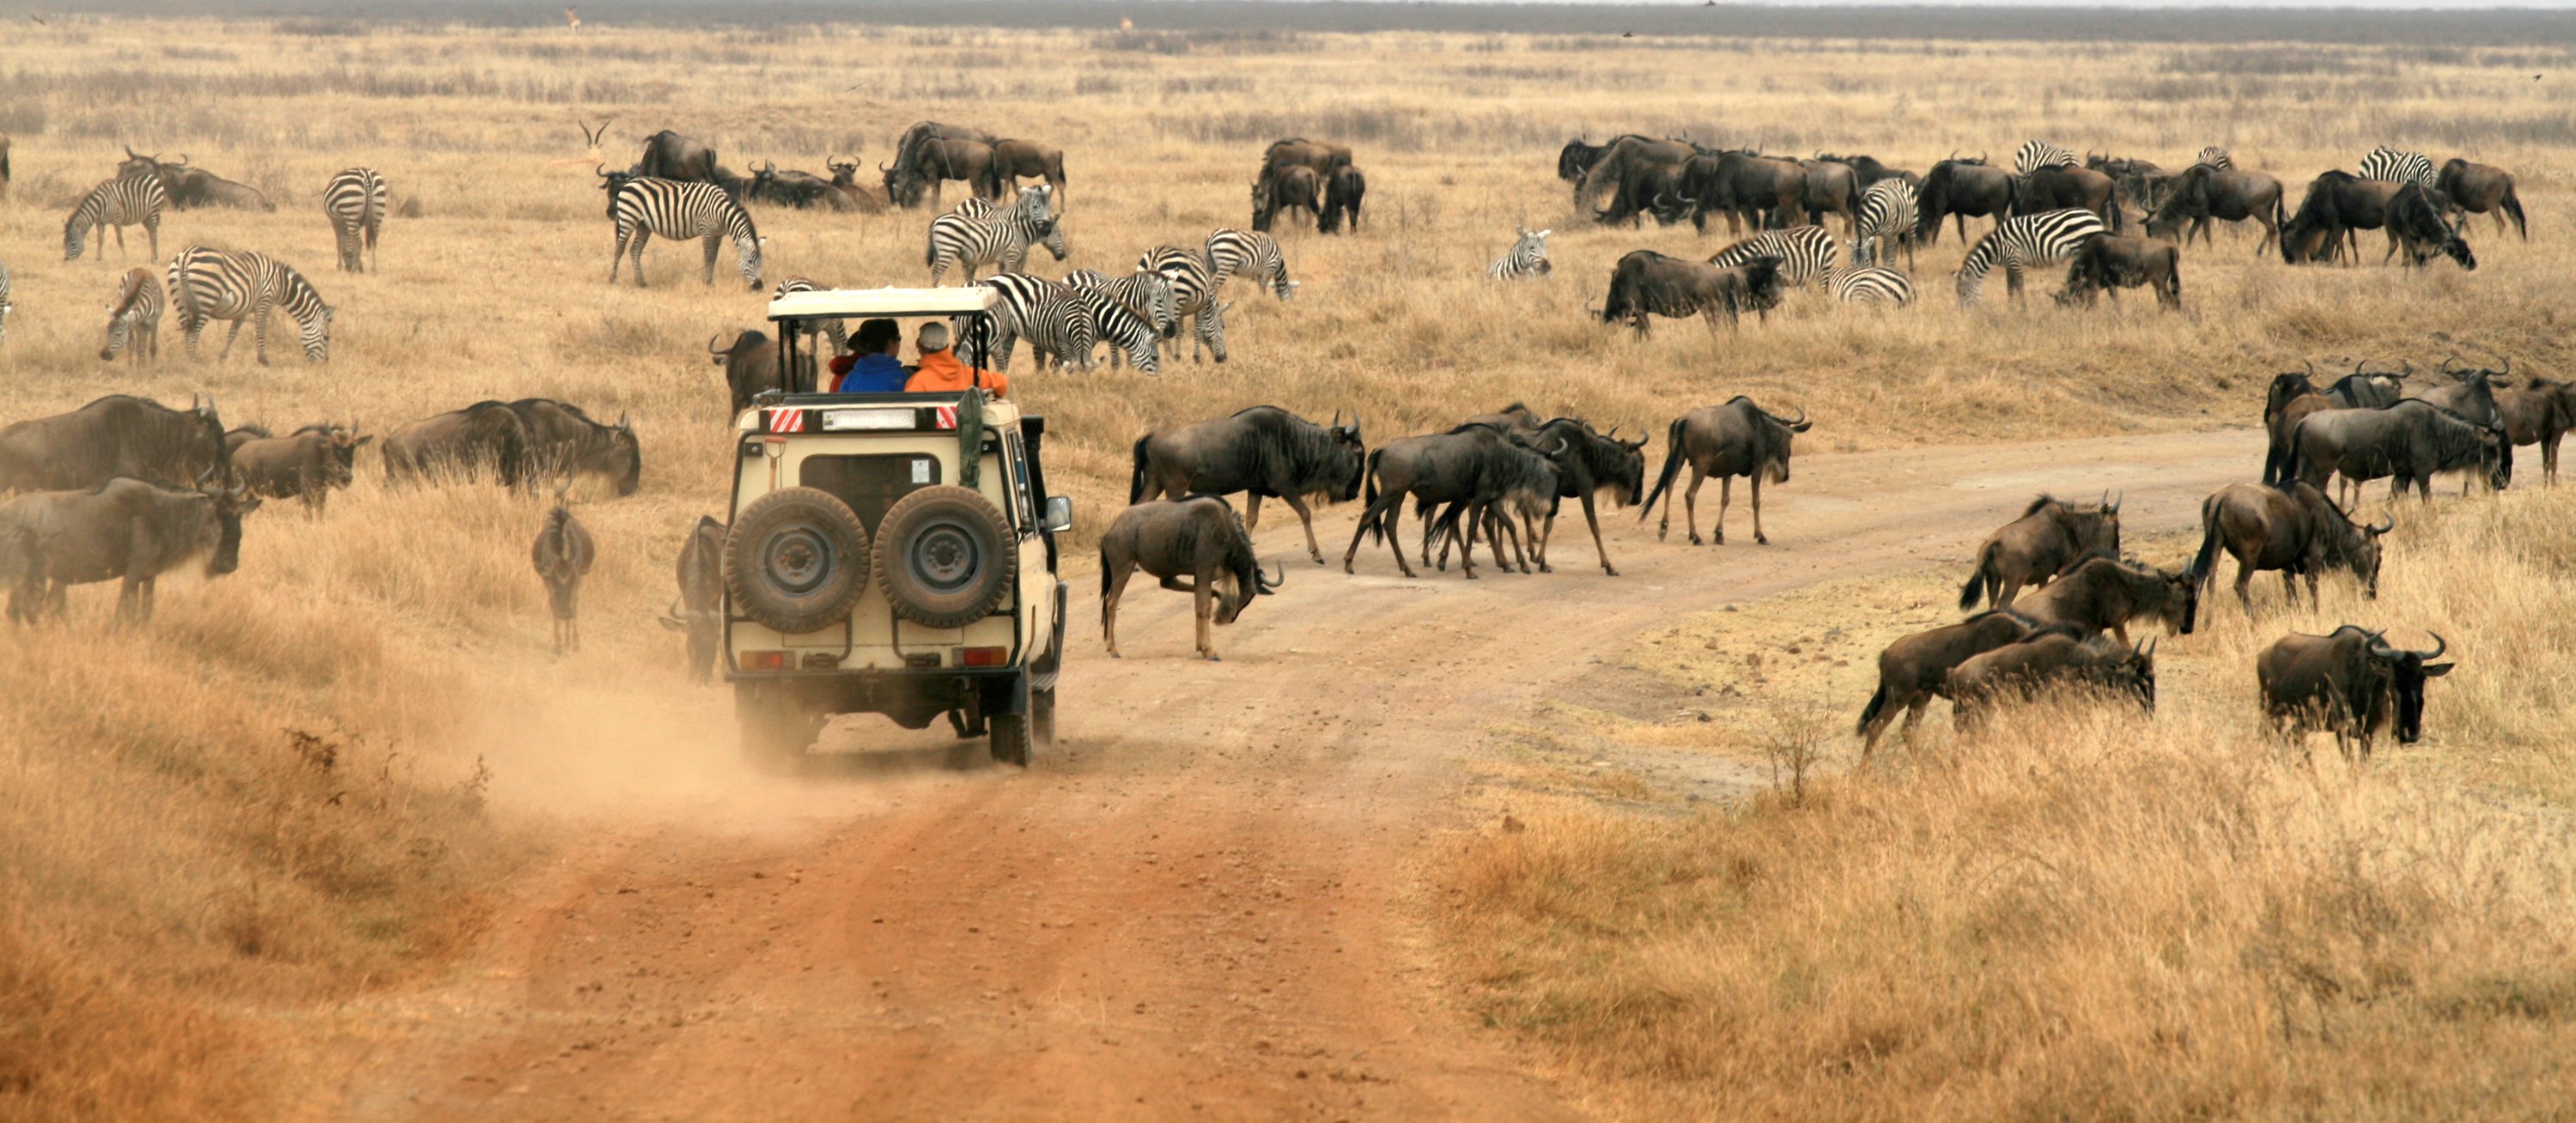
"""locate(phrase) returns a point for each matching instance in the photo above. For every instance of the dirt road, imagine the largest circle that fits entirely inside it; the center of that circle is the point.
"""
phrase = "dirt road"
(1199, 909)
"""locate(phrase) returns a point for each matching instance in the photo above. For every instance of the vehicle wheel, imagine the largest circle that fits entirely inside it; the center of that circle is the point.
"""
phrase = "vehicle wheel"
(1010, 737)
(796, 559)
(945, 557)
(1041, 720)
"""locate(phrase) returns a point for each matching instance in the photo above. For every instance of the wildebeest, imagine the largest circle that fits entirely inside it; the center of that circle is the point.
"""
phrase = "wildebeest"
(2051, 662)
(189, 188)
(668, 155)
(1280, 189)
(2110, 262)
(1833, 188)
(698, 610)
(485, 436)
(2290, 527)
(751, 366)
(1323, 156)
(2050, 536)
(2471, 395)
(1578, 157)
(929, 154)
(2293, 396)
(1618, 161)
(1455, 467)
(1517, 480)
(118, 435)
(2142, 181)
(1868, 171)
(1644, 188)
(1344, 192)
(792, 188)
(2539, 412)
(2337, 204)
(2062, 187)
(1588, 463)
(845, 180)
(305, 464)
(1195, 545)
(1916, 669)
(1735, 439)
(1648, 283)
(1266, 451)
(1745, 187)
(2202, 193)
(2408, 442)
(122, 528)
(1961, 190)
(563, 554)
(2350, 682)
(2482, 189)
(564, 441)
(2107, 592)
(2418, 226)
(1013, 159)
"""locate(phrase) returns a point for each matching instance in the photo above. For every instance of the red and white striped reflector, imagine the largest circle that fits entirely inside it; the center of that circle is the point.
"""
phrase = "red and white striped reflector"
(947, 416)
(786, 421)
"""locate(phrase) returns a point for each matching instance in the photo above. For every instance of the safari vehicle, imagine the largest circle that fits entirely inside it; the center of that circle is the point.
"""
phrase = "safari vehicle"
(890, 554)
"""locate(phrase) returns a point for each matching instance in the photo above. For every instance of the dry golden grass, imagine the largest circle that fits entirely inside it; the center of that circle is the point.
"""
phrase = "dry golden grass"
(168, 850)
(2094, 915)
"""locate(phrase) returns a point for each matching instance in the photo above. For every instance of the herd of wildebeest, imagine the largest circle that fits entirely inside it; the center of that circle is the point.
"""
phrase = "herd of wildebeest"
(127, 489)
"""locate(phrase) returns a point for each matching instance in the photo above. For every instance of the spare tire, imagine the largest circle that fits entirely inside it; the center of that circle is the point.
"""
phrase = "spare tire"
(795, 560)
(946, 556)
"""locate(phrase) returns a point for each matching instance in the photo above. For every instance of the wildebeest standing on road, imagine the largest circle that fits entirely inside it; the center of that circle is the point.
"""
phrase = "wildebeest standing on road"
(1195, 546)
(118, 435)
(1735, 439)
(2050, 536)
(1588, 463)
(2540, 412)
(2348, 682)
(2409, 442)
(1455, 467)
(563, 554)
(2291, 527)
(698, 610)
(1264, 450)
(123, 528)
(1916, 669)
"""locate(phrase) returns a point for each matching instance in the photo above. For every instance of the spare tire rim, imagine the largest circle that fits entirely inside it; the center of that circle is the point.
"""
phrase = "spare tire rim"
(945, 556)
(796, 560)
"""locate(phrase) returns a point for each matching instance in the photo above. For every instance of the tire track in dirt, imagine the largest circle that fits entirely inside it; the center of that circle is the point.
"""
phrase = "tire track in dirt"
(1200, 908)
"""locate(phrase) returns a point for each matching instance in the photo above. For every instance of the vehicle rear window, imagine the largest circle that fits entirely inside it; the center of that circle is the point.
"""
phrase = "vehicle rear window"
(869, 484)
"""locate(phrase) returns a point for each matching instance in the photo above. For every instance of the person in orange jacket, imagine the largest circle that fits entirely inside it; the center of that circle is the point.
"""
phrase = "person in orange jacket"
(941, 373)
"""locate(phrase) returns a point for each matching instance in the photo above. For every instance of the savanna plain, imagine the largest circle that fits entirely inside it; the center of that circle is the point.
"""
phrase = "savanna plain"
(247, 849)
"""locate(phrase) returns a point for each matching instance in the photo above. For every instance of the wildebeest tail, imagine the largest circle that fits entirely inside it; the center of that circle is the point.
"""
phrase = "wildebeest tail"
(1370, 520)
(1981, 582)
(2206, 561)
(1136, 480)
(2512, 205)
(1672, 468)
(1869, 713)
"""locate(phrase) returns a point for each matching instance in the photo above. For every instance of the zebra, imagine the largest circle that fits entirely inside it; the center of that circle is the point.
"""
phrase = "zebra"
(1868, 284)
(2023, 241)
(833, 330)
(5, 306)
(210, 284)
(1526, 258)
(1888, 212)
(1050, 316)
(2038, 154)
(999, 238)
(2216, 157)
(1131, 336)
(2389, 165)
(646, 206)
(1805, 253)
(117, 204)
(355, 200)
(134, 319)
(1193, 294)
(1144, 292)
(1253, 254)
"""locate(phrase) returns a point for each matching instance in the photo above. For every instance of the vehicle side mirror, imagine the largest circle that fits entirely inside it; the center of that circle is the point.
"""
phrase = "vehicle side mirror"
(1059, 515)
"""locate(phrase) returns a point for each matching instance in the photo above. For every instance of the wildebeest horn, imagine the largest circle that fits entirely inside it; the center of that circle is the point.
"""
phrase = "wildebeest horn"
(1613, 434)
(2508, 366)
(621, 420)
(1799, 425)
(2387, 522)
(711, 344)
(2147, 650)
(2312, 367)
(1264, 584)
(599, 169)
(203, 476)
(183, 158)
(2440, 645)
(2380, 647)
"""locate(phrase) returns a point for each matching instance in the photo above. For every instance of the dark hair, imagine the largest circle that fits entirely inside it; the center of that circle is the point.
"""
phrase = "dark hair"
(876, 335)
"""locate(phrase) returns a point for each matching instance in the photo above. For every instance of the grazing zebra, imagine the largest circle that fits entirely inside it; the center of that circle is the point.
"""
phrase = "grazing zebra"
(1868, 284)
(645, 207)
(1143, 292)
(2024, 241)
(116, 204)
(2216, 157)
(1252, 254)
(833, 330)
(1131, 336)
(2038, 154)
(1526, 258)
(1193, 294)
(1805, 253)
(999, 238)
(134, 319)
(1888, 213)
(2389, 165)
(1050, 316)
(355, 200)
(208, 284)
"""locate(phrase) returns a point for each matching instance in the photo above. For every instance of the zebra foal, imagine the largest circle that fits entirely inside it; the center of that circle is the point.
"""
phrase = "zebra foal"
(114, 205)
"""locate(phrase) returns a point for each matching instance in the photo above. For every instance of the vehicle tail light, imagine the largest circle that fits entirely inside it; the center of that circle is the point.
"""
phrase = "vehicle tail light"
(983, 656)
(762, 660)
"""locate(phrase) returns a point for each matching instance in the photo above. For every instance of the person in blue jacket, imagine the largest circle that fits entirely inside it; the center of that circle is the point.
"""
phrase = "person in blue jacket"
(871, 366)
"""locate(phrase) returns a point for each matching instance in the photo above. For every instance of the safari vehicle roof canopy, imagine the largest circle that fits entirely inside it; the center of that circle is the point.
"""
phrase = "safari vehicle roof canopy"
(957, 301)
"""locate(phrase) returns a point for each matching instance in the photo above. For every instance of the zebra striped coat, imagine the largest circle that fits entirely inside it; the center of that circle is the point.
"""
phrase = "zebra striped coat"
(998, 238)
(134, 317)
(2215, 157)
(355, 200)
(2390, 165)
(116, 204)
(1132, 338)
(1193, 295)
(1526, 258)
(1252, 254)
(5, 306)
(1868, 284)
(2038, 154)
(1805, 252)
(1050, 316)
(208, 284)
(676, 210)
(1145, 293)
(833, 330)
(1889, 212)
(2022, 242)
